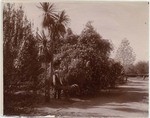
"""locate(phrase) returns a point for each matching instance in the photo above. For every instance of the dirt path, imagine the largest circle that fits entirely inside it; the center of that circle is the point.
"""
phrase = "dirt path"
(130, 100)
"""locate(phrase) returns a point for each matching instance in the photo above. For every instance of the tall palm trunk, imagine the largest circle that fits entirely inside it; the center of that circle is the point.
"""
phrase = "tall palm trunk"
(52, 59)
(49, 80)
(51, 76)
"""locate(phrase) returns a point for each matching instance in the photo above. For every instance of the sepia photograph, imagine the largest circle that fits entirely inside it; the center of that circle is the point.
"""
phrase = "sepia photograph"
(76, 59)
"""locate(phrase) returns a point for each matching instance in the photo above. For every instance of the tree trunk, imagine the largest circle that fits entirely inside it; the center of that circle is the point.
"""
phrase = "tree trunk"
(51, 69)
(47, 99)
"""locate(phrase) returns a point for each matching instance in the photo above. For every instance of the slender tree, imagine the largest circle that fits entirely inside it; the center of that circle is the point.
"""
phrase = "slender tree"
(125, 54)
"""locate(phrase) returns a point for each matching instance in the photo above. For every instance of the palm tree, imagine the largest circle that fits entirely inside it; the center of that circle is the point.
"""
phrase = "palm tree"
(55, 23)
(62, 21)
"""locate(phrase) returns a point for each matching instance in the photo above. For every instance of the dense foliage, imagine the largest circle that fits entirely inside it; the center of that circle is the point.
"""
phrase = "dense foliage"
(21, 68)
(80, 59)
(86, 62)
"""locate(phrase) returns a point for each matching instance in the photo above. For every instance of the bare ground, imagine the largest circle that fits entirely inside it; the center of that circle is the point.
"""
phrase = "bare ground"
(130, 100)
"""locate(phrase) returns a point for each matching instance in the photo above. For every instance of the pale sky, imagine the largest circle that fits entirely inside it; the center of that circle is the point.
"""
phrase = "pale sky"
(112, 20)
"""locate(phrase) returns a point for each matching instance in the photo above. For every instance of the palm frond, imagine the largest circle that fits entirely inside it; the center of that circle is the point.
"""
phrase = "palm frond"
(41, 37)
(49, 13)
(63, 18)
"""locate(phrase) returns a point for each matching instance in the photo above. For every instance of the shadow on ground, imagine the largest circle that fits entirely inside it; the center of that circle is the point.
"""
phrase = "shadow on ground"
(123, 94)
(130, 99)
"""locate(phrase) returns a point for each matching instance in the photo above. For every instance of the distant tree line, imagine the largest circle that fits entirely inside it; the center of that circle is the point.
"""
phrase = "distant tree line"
(139, 68)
